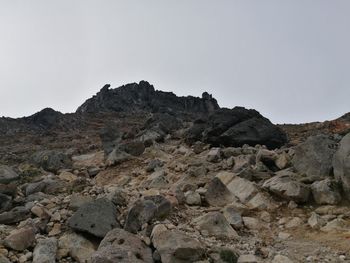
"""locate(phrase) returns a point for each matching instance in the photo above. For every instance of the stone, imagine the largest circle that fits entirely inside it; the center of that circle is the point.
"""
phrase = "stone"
(164, 206)
(341, 164)
(20, 239)
(315, 221)
(116, 157)
(241, 188)
(51, 160)
(175, 247)
(16, 215)
(97, 218)
(233, 217)
(243, 162)
(283, 161)
(214, 155)
(110, 137)
(287, 187)
(5, 203)
(153, 165)
(7, 174)
(143, 211)
(252, 223)
(215, 224)
(281, 259)
(134, 148)
(8, 189)
(67, 176)
(45, 251)
(335, 225)
(217, 193)
(77, 247)
(90, 160)
(192, 198)
(122, 246)
(326, 192)
(283, 235)
(314, 156)
(47, 186)
(3, 259)
(294, 222)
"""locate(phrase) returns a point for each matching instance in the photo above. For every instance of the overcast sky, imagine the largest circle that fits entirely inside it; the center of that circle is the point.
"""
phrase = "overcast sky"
(289, 59)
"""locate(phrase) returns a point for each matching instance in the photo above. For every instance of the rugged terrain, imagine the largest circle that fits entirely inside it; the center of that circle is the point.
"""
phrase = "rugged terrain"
(140, 175)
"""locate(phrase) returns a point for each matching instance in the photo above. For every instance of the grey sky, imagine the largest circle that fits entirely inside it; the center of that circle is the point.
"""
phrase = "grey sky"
(289, 59)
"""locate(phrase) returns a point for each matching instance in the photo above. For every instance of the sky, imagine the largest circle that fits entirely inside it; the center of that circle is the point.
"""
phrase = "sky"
(288, 59)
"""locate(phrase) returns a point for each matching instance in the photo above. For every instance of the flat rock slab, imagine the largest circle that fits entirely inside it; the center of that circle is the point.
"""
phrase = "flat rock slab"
(96, 218)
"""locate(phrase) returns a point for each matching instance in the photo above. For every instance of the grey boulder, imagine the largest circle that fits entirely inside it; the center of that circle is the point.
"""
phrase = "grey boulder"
(124, 247)
(97, 218)
(314, 156)
(45, 251)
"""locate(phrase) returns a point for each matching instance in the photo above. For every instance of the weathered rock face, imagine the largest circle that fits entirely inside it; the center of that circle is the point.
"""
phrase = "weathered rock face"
(135, 97)
(236, 127)
(122, 246)
(341, 163)
(314, 156)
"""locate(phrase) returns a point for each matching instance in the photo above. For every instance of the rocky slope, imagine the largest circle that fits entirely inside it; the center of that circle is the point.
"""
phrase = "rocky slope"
(138, 175)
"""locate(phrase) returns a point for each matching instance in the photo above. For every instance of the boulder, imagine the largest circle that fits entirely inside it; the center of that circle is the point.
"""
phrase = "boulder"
(341, 164)
(145, 210)
(51, 160)
(7, 174)
(174, 246)
(233, 217)
(326, 192)
(288, 188)
(134, 148)
(97, 218)
(314, 156)
(193, 198)
(110, 137)
(122, 246)
(116, 157)
(315, 221)
(215, 224)
(45, 251)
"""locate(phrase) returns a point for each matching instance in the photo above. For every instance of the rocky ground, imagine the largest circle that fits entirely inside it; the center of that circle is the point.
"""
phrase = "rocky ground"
(159, 187)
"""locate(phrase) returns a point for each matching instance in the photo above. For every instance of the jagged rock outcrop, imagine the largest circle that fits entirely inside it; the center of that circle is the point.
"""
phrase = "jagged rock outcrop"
(143, 97)
(236, 127)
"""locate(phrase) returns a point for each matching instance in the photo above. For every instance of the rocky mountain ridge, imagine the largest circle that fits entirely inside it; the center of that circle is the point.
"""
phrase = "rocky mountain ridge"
(150, 177)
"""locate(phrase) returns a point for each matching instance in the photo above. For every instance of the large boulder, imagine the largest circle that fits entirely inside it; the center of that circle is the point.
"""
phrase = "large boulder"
(341, 164)
(52, 160)
(124, 247)
(97, 218)
(7, 175)
(20, 239)
(314, 156)
(217, 194)
(236, 127)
